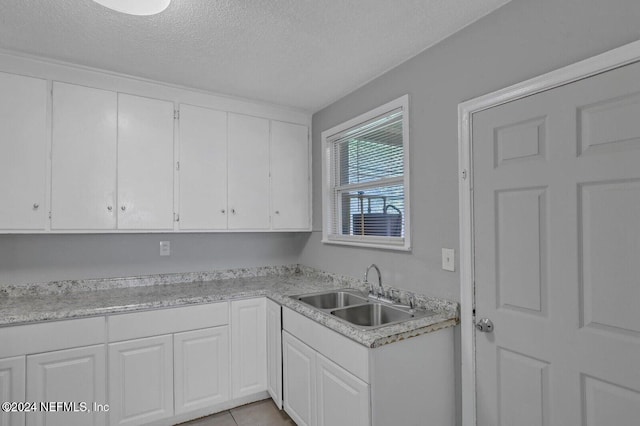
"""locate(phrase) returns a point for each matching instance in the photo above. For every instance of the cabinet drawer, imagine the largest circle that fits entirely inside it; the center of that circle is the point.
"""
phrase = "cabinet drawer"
(51, 336)
(167, 321)
(348, 354)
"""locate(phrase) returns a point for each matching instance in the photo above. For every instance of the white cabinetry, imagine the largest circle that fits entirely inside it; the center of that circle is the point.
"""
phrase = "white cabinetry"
(248, 347)
(320, 392)
(12, 388)
(72, 376)
(203, 168)
(83, 175)
(23, 161)
(290, 193)
(299, 381)
(343, 399)
(400, 383)
(274, 352)
(201, 368)
(145, 163)
(141, 380)
(248, 154)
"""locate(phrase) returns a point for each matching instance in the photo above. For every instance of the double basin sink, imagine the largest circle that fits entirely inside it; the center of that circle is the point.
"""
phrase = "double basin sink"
(353, 307)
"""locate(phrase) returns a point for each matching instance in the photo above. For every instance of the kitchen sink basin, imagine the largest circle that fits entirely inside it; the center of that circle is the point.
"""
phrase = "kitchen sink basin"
(332, 299)
(372, 315)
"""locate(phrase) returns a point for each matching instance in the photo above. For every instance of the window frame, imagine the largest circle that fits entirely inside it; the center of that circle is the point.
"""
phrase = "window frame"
(328, 168)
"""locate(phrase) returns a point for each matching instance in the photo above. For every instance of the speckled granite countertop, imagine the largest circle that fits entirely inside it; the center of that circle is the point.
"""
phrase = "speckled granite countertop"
(20, 304)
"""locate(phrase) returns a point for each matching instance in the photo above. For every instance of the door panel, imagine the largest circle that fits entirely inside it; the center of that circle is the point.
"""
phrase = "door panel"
(557, 242)
(74, 375)
(299, 380)
(145, 163)
(248, 347)
(12, 388)
(248, 172)
(83, 175)
(274, 352)
(23, 163)
(289, 176)
(203, 168)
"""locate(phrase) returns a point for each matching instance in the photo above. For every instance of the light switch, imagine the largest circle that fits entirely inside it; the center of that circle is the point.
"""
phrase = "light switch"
(448, 259)
(165, 248)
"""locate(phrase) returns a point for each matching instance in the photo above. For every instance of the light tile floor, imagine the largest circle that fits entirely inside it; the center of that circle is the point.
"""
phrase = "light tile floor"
(261, 413)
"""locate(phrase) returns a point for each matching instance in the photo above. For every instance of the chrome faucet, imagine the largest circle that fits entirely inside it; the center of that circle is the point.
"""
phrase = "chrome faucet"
(366, 280)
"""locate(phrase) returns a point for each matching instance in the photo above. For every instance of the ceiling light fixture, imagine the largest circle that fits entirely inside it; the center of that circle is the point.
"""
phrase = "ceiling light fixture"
(136, 7)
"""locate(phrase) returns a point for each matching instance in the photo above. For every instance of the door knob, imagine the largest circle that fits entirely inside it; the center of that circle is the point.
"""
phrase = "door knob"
(484, 325)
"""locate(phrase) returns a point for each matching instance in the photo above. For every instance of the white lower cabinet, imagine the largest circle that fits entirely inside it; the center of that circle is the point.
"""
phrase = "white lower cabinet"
(299, 380)
(201, 368)
(141, 380)
(274, 352)
(12, 388)
(343, 399)
(248, 347)
(318, 391)
(72, 376)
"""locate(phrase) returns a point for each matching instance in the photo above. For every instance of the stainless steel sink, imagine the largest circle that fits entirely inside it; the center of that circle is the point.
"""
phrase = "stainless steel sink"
(373, 315)
(332, 299)
(355, 308)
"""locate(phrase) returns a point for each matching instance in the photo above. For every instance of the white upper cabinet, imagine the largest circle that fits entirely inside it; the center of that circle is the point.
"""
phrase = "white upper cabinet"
(145, 163)
(290, 192)
(83, 175)
(203, 168)
(23, 163)
(248, 162)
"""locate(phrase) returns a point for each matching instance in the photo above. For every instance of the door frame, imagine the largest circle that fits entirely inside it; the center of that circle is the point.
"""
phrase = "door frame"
(624, 55)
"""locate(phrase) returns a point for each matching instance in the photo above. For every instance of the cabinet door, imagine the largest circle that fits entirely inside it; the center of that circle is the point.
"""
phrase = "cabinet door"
(201, 368)
(141, 380)
(248, 347)
(248, 172)
(73, 375)
(12, 388)
(83, 168)
(145, 163)
(23, 163)
(290, 191)
(203, 168)
(343, 399)
(274, 352)
(299, 369)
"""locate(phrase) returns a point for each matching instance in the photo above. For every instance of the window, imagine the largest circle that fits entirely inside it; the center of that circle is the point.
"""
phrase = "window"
(366, 179)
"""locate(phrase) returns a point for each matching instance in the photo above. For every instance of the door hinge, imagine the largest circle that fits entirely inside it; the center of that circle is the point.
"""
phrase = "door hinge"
(176, 217)
(177, 165)
(464, 174)
(176, 114)
(49, 215)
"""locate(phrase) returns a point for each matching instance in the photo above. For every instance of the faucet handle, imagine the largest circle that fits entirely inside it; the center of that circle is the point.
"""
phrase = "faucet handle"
(412, 300)
(394, 295)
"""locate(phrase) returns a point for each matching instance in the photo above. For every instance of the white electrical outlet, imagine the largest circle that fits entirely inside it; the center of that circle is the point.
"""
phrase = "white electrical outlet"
(448, 259)
(165, 248)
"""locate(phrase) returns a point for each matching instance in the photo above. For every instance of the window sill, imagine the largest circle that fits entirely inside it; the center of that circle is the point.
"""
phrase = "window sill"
(374, 245)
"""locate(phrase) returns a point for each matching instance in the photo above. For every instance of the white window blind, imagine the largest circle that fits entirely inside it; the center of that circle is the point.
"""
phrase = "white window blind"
(366, 195)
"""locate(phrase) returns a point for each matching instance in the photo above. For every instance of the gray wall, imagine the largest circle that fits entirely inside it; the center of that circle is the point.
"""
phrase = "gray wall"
(521, 40)
(34, 258)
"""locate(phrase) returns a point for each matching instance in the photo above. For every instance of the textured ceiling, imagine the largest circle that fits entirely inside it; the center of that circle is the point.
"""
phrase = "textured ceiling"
(298, 53)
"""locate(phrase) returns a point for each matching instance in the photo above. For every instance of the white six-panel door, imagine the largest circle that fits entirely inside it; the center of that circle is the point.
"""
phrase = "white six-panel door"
(23, 163)
(145, 163)
(83, 175)
(248, 162)
(12, 388)
(72, 375)
(203, 168)
(557, 250)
